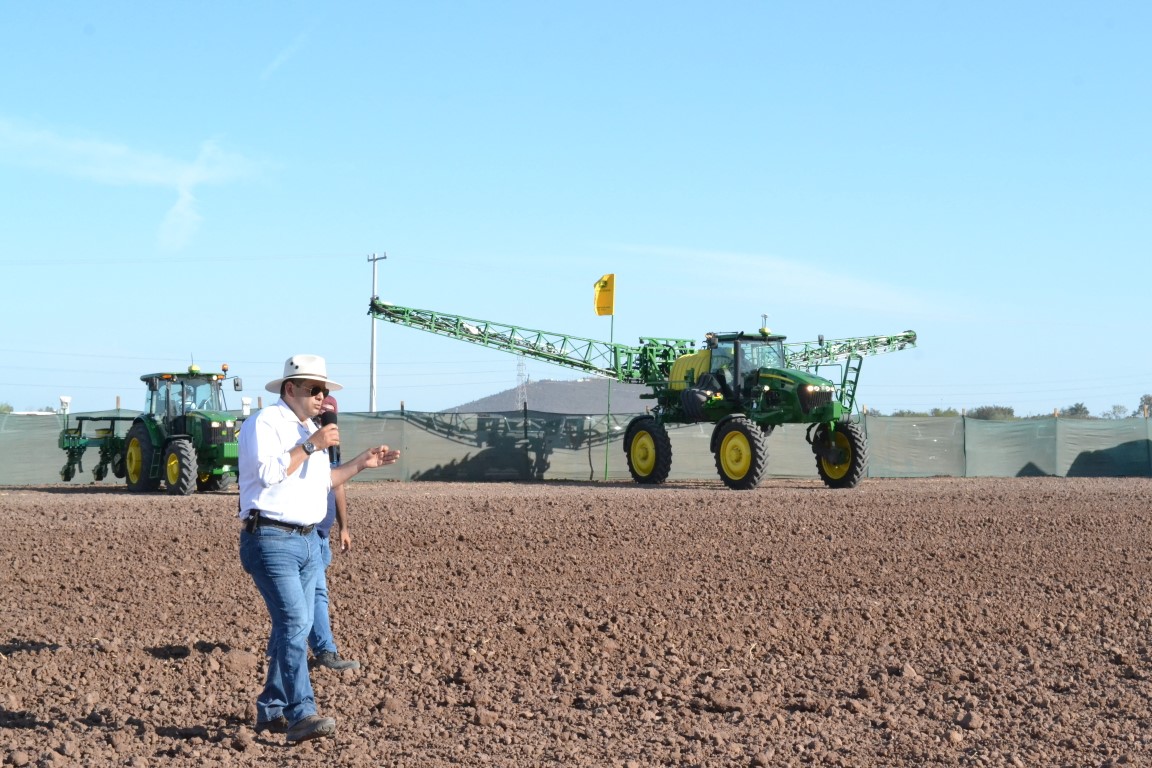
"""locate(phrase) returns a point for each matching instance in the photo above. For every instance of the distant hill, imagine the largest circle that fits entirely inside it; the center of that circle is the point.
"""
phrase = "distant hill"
(581, 396)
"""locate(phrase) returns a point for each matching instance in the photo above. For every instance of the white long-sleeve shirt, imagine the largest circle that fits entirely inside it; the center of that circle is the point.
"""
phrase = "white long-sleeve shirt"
(300, 498)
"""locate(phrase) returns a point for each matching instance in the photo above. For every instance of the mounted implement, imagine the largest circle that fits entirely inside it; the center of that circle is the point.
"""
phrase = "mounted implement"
(746, 384)
(184, 438)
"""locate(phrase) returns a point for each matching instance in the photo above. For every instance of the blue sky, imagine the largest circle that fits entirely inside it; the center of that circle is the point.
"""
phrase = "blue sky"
(205, 182)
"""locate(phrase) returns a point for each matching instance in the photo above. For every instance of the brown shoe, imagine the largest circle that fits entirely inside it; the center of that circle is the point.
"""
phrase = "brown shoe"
(311, 727)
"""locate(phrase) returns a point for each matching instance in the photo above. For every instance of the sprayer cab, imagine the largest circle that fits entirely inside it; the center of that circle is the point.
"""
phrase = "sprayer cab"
(739, 373)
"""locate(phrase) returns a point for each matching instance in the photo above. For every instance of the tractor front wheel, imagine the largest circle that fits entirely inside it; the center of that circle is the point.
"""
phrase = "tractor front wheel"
(210, 482)
(180, 468)
(138, 458)
(741, 453)
(648, 450)
(841, 454)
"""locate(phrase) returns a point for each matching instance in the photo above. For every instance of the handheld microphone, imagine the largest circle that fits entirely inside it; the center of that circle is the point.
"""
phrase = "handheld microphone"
(328, 416)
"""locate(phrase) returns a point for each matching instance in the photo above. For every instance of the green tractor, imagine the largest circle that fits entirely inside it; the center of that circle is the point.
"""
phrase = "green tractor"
(185, 438)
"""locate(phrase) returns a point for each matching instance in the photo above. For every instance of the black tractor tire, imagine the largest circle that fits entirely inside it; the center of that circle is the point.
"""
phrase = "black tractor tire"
(648, 450)
(741, 453)
(215, 482)
(849, 442)
(180, 468)
(138, 457)
(68, 471)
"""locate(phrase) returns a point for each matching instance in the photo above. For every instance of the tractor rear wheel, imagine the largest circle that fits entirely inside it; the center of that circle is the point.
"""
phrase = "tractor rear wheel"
(138, 458)
(741, 453)
(841, 454)
(180, 468)
(648, 450)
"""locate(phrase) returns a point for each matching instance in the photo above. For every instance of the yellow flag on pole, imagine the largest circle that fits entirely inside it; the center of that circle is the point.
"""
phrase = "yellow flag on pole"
(605, 289)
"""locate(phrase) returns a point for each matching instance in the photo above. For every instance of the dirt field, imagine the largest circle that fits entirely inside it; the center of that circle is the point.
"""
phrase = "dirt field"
(907, 622)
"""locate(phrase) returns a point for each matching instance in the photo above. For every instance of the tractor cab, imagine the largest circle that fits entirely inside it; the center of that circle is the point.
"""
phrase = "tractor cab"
(175, 395)
(738, 359)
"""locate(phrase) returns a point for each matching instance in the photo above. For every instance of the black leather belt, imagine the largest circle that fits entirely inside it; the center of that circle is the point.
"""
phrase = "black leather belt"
(256, 520)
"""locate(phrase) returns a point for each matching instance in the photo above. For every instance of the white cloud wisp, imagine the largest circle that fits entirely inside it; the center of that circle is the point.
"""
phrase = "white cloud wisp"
(113, 164)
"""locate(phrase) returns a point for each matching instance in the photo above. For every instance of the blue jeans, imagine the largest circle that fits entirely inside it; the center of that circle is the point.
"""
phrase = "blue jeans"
(285, 567)
(320, 638)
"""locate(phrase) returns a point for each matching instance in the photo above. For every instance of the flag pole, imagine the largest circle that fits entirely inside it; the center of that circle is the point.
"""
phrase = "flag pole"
(616, 368)
(604, 301)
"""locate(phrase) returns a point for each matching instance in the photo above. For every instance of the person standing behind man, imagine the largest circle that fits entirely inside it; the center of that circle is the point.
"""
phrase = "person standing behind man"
(320, 639)
(284, 479)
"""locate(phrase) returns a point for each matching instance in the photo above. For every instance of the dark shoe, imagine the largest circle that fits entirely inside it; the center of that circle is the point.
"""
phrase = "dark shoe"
(332, 660)
(311, 727)
(279, 725)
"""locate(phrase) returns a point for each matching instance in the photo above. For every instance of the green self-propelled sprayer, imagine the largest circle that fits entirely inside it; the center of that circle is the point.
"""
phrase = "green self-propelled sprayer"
(746, 384)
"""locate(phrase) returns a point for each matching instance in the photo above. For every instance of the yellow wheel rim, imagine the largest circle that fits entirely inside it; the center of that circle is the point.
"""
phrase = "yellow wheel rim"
(643, 453)
(172, 468)
(838, 471)
(134, 461)
(735, 455)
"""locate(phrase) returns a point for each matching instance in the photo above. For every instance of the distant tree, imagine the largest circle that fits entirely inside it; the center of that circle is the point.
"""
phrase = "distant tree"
(1077, 411)
(912, 414)
(944, 412)
(1115, 412)
(5, 408)
(1145, 407)
(992, 413)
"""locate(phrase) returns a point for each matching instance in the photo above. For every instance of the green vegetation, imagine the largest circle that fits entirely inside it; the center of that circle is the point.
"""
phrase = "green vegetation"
(1144, 407)
(920, 414)
(1005, 413)
(7, 408)
(993, 413)
(1075, 411)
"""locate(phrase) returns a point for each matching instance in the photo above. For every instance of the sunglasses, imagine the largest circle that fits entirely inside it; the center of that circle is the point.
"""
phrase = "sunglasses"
(316, 390)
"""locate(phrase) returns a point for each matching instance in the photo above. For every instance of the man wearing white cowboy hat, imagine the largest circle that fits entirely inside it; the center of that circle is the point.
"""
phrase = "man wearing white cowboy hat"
(285, 476)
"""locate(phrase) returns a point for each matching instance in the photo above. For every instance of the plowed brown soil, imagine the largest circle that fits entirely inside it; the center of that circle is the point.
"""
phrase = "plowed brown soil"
(906, 622)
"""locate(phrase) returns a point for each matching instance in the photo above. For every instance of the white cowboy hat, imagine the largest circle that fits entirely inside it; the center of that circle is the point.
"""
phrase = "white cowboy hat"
(304, 367)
